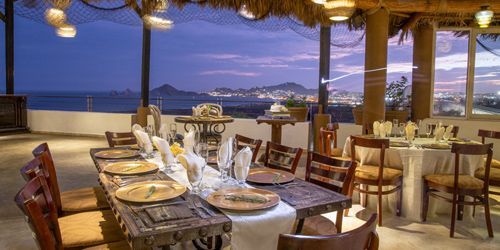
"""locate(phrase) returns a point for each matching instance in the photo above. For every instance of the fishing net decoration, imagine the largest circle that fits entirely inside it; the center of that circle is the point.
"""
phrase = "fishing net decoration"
(80, 12)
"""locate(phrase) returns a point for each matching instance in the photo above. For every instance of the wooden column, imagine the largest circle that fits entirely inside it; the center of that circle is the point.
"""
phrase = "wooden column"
(324, 67)
(377, 28)
(9, 46)
(423, 55)
(146, 60)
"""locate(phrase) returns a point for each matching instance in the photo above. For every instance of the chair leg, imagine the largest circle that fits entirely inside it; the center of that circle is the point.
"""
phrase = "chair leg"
(338, 222)
(300, 225)
(474, 209)
(349, 194)
(425, 202)
(399, 201)
(453, 215)
(488, 217)
(362, 196)
(379, 208)
(460, 214)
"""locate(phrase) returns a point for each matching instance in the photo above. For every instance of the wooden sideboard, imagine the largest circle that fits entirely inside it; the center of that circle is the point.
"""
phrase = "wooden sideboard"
(13, 116)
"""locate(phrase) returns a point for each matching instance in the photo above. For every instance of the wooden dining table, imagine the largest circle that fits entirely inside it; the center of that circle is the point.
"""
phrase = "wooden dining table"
(209, 223)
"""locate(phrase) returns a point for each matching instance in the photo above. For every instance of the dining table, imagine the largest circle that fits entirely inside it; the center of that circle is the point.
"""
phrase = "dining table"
(206, 224)
(423, 157)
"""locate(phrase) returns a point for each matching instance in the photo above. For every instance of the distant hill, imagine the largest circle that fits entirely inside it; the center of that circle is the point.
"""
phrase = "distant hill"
(296, 88)
(127, 92)
(169, 90)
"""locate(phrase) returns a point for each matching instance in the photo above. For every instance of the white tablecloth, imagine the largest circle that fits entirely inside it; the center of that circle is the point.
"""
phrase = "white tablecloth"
(415, 163)
(250, 230)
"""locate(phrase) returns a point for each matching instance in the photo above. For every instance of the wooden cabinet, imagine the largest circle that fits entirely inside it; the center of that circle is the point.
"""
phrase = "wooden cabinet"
(13, 115)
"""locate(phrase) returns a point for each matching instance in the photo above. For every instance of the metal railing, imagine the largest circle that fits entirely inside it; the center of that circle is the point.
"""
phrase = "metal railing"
(239, 108)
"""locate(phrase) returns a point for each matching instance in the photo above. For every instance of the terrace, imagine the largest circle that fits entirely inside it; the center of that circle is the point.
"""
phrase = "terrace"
(77, 127)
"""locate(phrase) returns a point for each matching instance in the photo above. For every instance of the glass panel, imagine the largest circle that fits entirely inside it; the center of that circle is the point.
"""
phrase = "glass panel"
(450, 73)
(486, 98)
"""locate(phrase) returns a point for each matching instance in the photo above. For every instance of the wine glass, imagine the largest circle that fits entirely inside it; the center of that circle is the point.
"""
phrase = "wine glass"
(195, 177)
(223, 161)
(201, 150)
(148, 149)
(173, 131)
(241, 174)
(167, 165)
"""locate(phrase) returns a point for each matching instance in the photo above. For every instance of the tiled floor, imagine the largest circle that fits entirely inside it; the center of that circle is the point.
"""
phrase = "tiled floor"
(75, 169)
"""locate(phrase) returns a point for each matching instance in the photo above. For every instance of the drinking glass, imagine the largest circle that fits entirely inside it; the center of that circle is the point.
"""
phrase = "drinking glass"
(148, 149)
(428, 130)
(241, 174)
(223, 162)
(150, 130)
(401, 129)
(446, 137)
(201, 150)
(167, 166)
(173, 131)
(195, 178)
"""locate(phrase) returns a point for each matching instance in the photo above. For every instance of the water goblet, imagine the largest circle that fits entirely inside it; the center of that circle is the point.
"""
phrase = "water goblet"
(401, 129)
(201, 150)
(241, 174)
(173, 131)
(428, 130)
(149, 150)
(195, 178)
(167, 165)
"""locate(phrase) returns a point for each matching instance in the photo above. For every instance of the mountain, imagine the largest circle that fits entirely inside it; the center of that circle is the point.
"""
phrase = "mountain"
(287, 87)
(169, 90)
(127, 92)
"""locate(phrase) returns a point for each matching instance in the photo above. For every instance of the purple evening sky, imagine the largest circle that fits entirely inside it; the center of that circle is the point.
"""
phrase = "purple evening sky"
(200, 56)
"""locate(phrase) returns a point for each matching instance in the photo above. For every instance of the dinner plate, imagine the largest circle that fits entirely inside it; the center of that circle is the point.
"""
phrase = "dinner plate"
(117, 154)
(398, 144)
(130, 167)
(269, 176)
(150, 191)
(243, 199)
(436, 146)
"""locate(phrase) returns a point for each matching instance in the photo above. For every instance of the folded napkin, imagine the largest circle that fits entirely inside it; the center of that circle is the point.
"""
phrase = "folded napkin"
(189, 140)
(164, 148)
(143, 139)
(388, 127)
(226, 150)
(447, 132)
(376, 125)
(438, 135)
(410, 131)
(169, 212)
(242, 162)
(136, 127)
(382, 132)
(193, 164)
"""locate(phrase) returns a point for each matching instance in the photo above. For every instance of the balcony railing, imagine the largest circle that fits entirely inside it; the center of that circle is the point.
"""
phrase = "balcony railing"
(243, 108)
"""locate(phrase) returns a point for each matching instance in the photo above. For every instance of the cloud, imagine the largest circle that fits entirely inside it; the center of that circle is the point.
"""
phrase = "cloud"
(459, 60)
(229, 72)
(273, 66)
(222, 56)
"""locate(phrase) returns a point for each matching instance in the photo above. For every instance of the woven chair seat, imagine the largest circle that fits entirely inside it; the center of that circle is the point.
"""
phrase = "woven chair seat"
(370, 172)
(447, 180)
(83, 199)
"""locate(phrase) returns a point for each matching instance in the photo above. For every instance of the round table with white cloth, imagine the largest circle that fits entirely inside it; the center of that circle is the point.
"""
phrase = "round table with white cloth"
(415, 162)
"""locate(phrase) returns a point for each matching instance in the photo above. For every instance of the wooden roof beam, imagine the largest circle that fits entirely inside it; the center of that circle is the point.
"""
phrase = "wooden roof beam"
(441, 6)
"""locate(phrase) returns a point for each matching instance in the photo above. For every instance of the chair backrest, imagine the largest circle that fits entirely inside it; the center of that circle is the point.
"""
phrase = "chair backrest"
(382, 144)
(254, 144)
(488, 134)
(282, 157)
(156, 114)
(35, 201)
(334, 174)
(328, 138)
(454, 131)
(472, 149)
(45, 167)
(361, 238)
(120, 139)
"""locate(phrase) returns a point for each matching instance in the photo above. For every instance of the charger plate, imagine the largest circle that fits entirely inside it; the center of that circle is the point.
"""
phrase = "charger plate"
(117, 154)
(130, 167)
(224, 198)
(269, 176)
(144, 192)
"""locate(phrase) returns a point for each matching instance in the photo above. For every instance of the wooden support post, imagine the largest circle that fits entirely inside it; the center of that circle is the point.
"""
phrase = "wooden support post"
(9, 46)
(377, 29)
(146, 60)
(423, 56)
(324, 68)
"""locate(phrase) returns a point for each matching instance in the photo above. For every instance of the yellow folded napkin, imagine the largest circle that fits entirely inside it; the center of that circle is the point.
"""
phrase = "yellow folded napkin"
(376, 125)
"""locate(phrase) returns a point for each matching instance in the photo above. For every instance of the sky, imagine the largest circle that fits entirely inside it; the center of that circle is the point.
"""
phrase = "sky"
(201, 56)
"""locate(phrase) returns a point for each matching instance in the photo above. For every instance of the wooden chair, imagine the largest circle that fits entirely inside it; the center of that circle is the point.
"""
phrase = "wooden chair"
(334, 174)
(361, 238)
(461, 185)
(242, 141)
(379, 176)
(74, 231)
(454, 131)
(71, 201)
(120, 139)
(282, 157)
(495, 164)
(328, 138)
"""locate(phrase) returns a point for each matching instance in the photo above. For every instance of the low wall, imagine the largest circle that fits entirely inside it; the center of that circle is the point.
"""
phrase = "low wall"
(93, 123)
